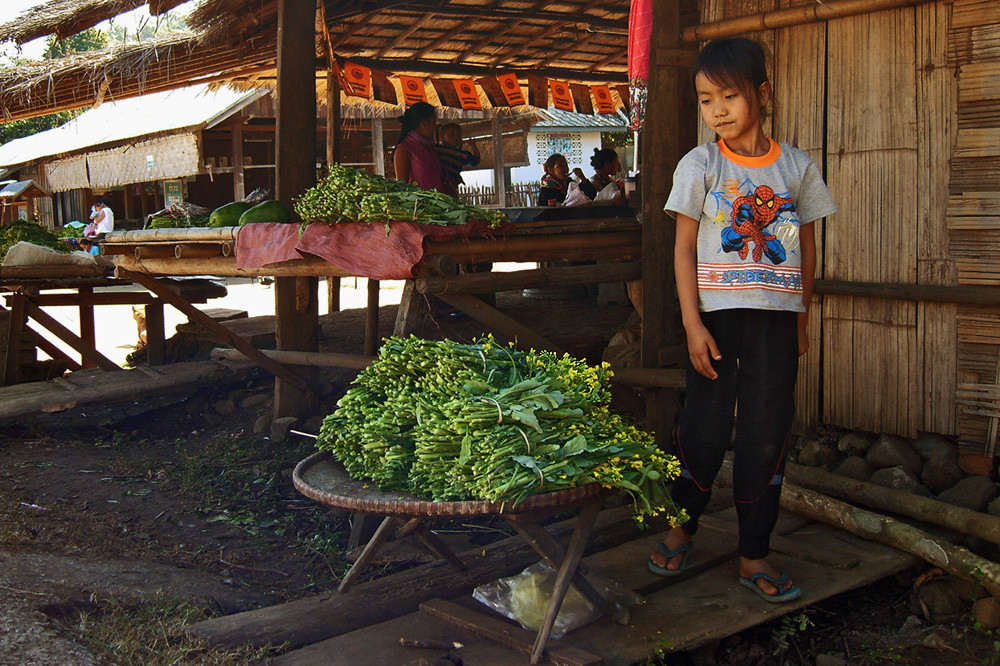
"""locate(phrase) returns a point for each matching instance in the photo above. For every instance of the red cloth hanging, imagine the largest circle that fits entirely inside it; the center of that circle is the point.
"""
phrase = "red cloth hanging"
(640, 32)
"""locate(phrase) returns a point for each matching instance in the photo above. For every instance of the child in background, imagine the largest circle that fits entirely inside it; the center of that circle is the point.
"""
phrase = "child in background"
(454, 158)
(744, 259)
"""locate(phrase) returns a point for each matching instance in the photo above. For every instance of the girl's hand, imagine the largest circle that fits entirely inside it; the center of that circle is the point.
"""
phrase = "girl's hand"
(702, 349)
(803, 333)
(578, 172)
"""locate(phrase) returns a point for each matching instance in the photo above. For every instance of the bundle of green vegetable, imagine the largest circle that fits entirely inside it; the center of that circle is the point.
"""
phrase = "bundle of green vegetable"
(354, 195)
(453, 421)
(23, 230)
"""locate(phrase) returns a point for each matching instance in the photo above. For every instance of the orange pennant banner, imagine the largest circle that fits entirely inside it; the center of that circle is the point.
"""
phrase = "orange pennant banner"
(413, 89)
(511, 89)
(446, 92)
(603, 100)
(359, 80)
(468, 97)
(538, 91)
(562, 98)
(581, 97)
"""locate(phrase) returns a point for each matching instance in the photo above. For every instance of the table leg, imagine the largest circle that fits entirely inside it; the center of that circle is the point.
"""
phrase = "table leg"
(437, 546)
(553, 552)
(368, 554)
(567, 569)
(12, 358)
(155, 334)
(371, 318)
(87, 328)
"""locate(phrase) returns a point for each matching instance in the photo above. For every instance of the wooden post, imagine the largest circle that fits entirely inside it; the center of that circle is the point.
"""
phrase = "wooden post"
(155, 335)
(499, 182)
(12, 358)
(332, 157)
(669, 132)
(378, 145)
(371, 318)
(88, 332)
(295, 172)
(239, 181)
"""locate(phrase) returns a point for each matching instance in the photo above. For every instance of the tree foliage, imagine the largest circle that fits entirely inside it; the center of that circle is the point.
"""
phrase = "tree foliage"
(90, 39)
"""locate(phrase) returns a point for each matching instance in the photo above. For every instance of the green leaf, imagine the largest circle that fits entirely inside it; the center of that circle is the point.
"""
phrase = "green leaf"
(526, 461)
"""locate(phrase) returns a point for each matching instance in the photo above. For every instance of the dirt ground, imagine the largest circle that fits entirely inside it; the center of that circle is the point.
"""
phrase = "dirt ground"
(113, 538)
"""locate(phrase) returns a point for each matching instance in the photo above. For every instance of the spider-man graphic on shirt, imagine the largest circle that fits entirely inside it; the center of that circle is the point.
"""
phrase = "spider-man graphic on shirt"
(751, 215)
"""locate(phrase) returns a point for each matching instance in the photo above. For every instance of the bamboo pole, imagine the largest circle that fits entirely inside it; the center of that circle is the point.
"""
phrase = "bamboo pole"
(884, 529)
(902, 502)
(489, 283)
(793, 16)
(226, 266)
(190, 234)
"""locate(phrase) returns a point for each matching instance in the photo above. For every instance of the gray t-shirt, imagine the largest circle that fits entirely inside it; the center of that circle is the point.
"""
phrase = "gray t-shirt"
(749, 211)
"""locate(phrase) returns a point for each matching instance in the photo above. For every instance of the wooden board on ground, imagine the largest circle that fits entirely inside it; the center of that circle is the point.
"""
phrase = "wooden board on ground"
(704, 605)
(258, 331)
(90, 386)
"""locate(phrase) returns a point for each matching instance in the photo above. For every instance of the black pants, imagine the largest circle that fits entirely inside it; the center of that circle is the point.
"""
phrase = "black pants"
(756, 380)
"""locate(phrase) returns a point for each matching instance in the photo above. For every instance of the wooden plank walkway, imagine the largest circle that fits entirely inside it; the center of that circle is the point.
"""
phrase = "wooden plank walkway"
(698, 608)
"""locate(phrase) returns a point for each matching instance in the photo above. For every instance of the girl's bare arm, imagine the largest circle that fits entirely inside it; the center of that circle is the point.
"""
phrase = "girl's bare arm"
(701, 344)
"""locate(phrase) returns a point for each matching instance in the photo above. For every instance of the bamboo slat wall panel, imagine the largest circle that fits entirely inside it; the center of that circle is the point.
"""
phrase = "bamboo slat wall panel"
(799, 81)
(973, 217)
(167, 157)
(936, 131)
(872, 360)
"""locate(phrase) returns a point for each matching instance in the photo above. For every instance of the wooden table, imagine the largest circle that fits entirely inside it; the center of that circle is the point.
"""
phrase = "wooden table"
(325, 480)
(26, 298)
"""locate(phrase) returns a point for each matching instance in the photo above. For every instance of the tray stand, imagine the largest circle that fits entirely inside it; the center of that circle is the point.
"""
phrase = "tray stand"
(326, 481)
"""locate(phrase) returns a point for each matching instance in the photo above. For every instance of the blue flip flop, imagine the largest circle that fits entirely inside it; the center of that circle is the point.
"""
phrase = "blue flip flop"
(670, 554)
(781, 597)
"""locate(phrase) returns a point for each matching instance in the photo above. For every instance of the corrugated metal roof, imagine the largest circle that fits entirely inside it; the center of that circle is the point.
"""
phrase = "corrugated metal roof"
(129, 120)
(565, 120)
(14, 189)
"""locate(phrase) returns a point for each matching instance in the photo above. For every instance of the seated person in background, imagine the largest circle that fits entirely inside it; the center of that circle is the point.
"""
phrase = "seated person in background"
(606, 164)
(104, 223)
(556, 179)
(454, 158)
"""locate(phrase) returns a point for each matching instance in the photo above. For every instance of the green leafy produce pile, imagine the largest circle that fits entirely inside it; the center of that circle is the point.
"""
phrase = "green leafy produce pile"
(354, 195)
(164, 222)
(23, 230)
(452, 421)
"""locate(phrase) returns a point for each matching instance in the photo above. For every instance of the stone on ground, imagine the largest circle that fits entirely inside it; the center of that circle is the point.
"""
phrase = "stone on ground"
(897, 478)
(894, 451)
(973, 492)
(854, 443)
(855, 467)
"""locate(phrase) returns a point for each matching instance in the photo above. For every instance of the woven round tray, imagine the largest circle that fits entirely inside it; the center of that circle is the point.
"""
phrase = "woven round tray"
(325, 480)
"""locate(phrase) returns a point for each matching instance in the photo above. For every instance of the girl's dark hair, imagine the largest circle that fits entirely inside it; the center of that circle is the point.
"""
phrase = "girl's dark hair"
(601, 157)
(550, 163)
(413, 116)
(733, 62)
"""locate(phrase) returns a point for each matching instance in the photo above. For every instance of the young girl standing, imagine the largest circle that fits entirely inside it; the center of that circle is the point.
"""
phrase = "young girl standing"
(744, 259)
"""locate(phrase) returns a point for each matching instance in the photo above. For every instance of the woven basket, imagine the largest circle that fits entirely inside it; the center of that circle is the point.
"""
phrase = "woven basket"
(325, 480)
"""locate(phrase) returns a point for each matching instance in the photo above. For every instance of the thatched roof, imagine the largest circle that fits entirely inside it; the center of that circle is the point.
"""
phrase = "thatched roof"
(575, 40)
(64, 18)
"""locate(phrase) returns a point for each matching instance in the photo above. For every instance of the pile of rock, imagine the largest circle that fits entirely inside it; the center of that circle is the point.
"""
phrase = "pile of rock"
(931, 465)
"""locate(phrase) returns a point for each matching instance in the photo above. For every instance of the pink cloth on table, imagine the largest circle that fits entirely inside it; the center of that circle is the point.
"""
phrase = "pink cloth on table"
(360, 249)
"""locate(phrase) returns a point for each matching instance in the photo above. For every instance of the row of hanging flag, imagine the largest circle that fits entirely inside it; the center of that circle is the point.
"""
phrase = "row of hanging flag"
(501, 90)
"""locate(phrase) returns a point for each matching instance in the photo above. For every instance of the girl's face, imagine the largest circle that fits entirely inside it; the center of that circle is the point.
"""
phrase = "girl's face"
(728, 112)
(561, 168)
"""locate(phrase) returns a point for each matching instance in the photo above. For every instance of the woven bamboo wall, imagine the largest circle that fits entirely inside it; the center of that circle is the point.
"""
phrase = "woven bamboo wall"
(156, 159)
(973, 215)
(874, 100)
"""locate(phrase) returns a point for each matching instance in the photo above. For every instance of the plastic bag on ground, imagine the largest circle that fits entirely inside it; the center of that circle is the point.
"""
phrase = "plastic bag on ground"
(525, 597)
(575, 196)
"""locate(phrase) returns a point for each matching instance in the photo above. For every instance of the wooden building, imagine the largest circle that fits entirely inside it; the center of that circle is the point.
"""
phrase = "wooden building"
(896, 100)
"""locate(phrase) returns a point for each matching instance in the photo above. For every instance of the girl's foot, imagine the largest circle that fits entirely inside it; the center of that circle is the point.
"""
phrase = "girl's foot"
(750, 567)
(675, 538)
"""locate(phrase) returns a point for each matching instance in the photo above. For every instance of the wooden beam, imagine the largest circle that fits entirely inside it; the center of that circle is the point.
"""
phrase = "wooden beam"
(87, 351)
(499, 177)
(15, 327)
(491, 283)
(239, 182)
(296, 308)
(668, 134)
(371, 318)
(88, 331)
(501, 14)
(793, 16)
(521, 335)
(315, 359)
(156, 343)
(404, 35)
(216, 329)
(965, 294)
